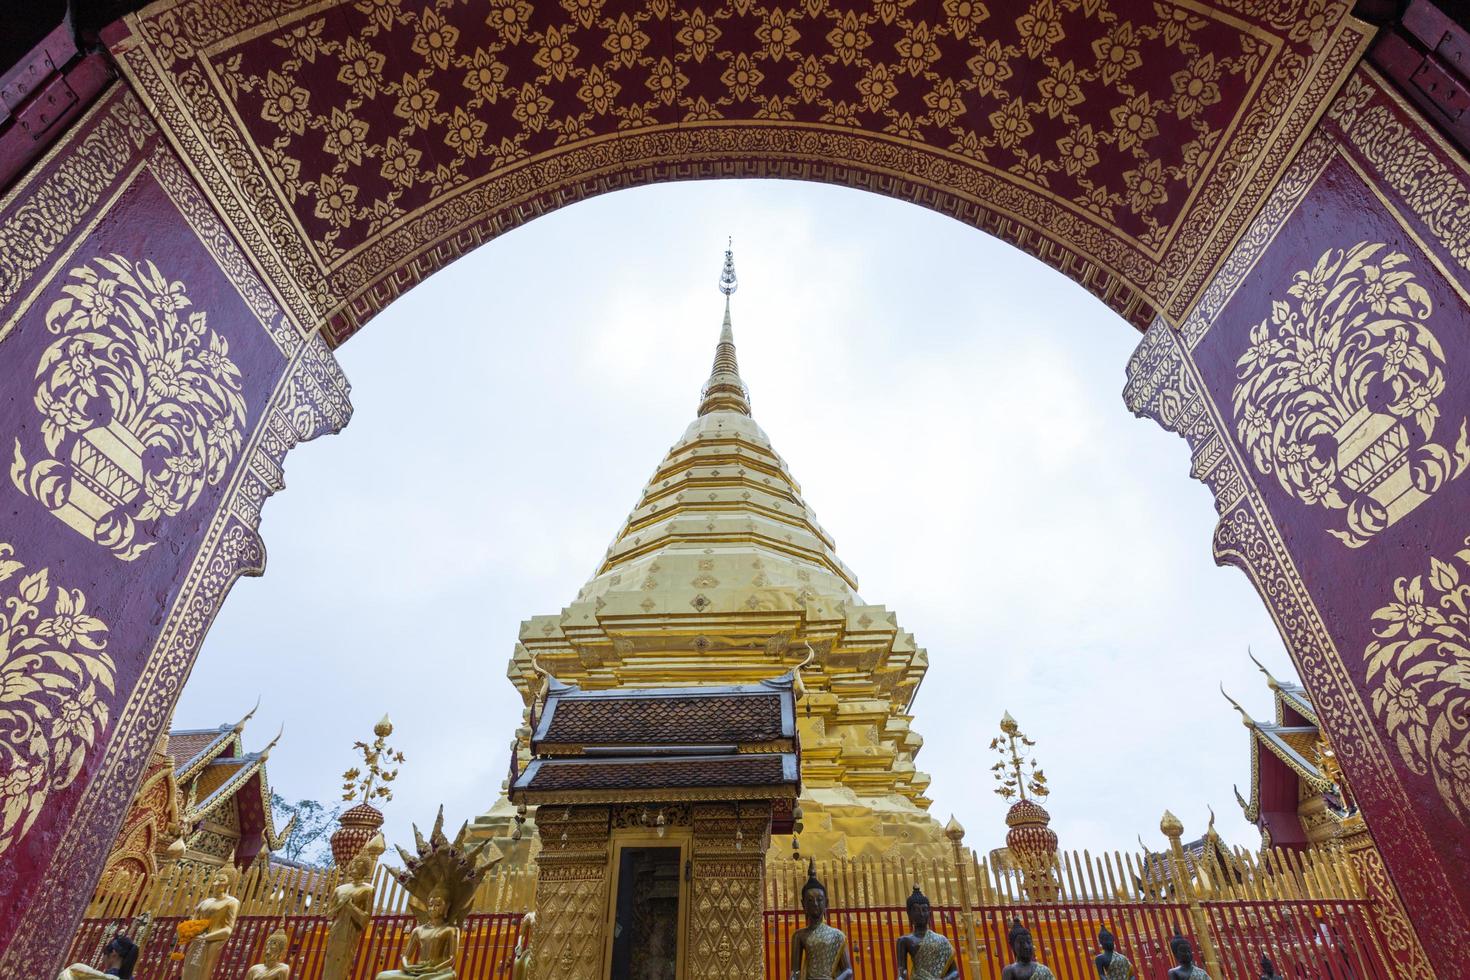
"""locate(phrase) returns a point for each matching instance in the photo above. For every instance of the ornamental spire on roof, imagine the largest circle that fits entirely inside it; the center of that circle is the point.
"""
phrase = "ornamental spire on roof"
(725, 391)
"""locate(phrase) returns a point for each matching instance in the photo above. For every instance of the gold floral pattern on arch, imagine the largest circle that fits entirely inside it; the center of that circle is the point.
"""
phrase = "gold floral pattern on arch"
(1419, 672)
(55, 674)
(140, 405)
(1338, 392)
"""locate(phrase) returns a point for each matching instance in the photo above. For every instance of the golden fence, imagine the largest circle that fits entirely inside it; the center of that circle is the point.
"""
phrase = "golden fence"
(276, 891)
(1307, 910)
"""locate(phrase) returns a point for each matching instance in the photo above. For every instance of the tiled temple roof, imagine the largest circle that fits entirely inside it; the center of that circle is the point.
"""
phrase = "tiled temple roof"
(708, 715)
(629, 745)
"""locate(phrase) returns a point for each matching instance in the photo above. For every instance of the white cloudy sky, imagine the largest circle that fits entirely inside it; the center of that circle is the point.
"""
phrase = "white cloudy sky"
(951, 406)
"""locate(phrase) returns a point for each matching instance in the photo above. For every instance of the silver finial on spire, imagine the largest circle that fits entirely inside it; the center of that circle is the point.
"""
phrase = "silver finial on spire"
(728, 282)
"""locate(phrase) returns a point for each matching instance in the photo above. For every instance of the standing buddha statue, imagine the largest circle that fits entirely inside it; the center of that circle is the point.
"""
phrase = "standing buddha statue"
(220, 910)
(931, 954)
(1024, 950)
(1111, 964)
(350, 907)
(822, 947)
(1184, 957)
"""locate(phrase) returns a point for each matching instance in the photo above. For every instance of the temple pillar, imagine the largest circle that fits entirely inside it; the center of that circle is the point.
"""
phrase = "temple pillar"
(727, 894)
(1350, 292)
(150, 386)
(572, 892)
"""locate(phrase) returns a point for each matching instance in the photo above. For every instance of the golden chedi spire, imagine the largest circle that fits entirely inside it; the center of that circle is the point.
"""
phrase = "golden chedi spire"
(725, 391)
(722, 574)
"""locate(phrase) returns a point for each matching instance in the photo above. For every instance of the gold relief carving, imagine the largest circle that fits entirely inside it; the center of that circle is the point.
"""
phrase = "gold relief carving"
(1163, 384)
(1193, 197)
(139, 396)
(1337, 393)
(1405, 159)
(55, 678)
(1394, 934)
(47, 213)
(1419, 672)
(312, 398)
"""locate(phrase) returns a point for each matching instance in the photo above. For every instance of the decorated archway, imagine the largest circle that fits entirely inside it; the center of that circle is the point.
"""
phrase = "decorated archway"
(261, 178)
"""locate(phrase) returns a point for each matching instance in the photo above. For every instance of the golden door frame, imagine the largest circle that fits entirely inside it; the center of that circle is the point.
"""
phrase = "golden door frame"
(623, 838)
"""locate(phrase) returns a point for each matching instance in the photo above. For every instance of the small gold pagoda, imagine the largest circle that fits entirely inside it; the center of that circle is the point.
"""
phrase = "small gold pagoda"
(722, 575)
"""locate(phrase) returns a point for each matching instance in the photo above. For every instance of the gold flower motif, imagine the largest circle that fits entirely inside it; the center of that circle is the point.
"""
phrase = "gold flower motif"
(463, 132)
(965, 16)
(990, 68)
(1117, 53)
(486, 76)
(1061, 91)
(699, 110)
(1313, 23)
(400, 163)
(346, 136)
(1145, 187)
(917, 49)
(666, 82)
(877, 87)
(416, 101)
(1040, 28)
(698, 34)
(1012, 124)
(778, 34)
(556, 54)
(625, 41)
(284, 104)
(334, 197)
(1134, 121)
(434, 39)
(809, 79)
(1032, 167)
(905, 126)
(584, 12)
(598, 90)
(510, 18)
(532, 107)
(848, 39)
(1079, 150)
(1196, 87)
(57, 672)
(944, 102)
(742, 76)
(361, 68)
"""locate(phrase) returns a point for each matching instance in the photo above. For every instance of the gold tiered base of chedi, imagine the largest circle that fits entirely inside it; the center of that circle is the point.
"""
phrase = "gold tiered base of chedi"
(722, 575)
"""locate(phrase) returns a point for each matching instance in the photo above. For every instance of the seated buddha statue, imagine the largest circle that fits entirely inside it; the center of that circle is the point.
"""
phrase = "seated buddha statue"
(1111, 964)
(432, 946)
(1184, 957)
(1023, 948)
(924, 954)
(272, 965)
(821, 947)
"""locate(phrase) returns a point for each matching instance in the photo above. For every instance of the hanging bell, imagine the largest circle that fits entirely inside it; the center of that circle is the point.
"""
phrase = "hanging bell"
(739, 838)
(660, 824)
(516, 834)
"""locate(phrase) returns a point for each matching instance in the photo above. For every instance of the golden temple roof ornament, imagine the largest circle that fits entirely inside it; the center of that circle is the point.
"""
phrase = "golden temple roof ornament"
(1010, 772)
(725, 391)
(372, 778)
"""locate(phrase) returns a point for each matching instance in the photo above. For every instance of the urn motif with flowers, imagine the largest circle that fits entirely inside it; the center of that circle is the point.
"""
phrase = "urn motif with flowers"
(1337, 394)
(141, 406)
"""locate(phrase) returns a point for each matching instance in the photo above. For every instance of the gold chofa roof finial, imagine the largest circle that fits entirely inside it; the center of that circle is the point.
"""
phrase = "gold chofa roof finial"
(725, 391)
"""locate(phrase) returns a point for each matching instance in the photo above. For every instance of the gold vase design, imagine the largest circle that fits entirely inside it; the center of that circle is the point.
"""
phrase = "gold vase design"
(141, 406)
(1337, 394)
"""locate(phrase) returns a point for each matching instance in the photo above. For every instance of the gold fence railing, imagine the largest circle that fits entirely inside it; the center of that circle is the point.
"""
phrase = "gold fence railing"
(1309, 909)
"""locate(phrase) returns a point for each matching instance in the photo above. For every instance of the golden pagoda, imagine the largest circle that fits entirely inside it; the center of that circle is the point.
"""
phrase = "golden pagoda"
(722, 575)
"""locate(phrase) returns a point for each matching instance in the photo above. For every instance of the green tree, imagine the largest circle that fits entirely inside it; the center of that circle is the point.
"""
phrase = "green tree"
(310, 840)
